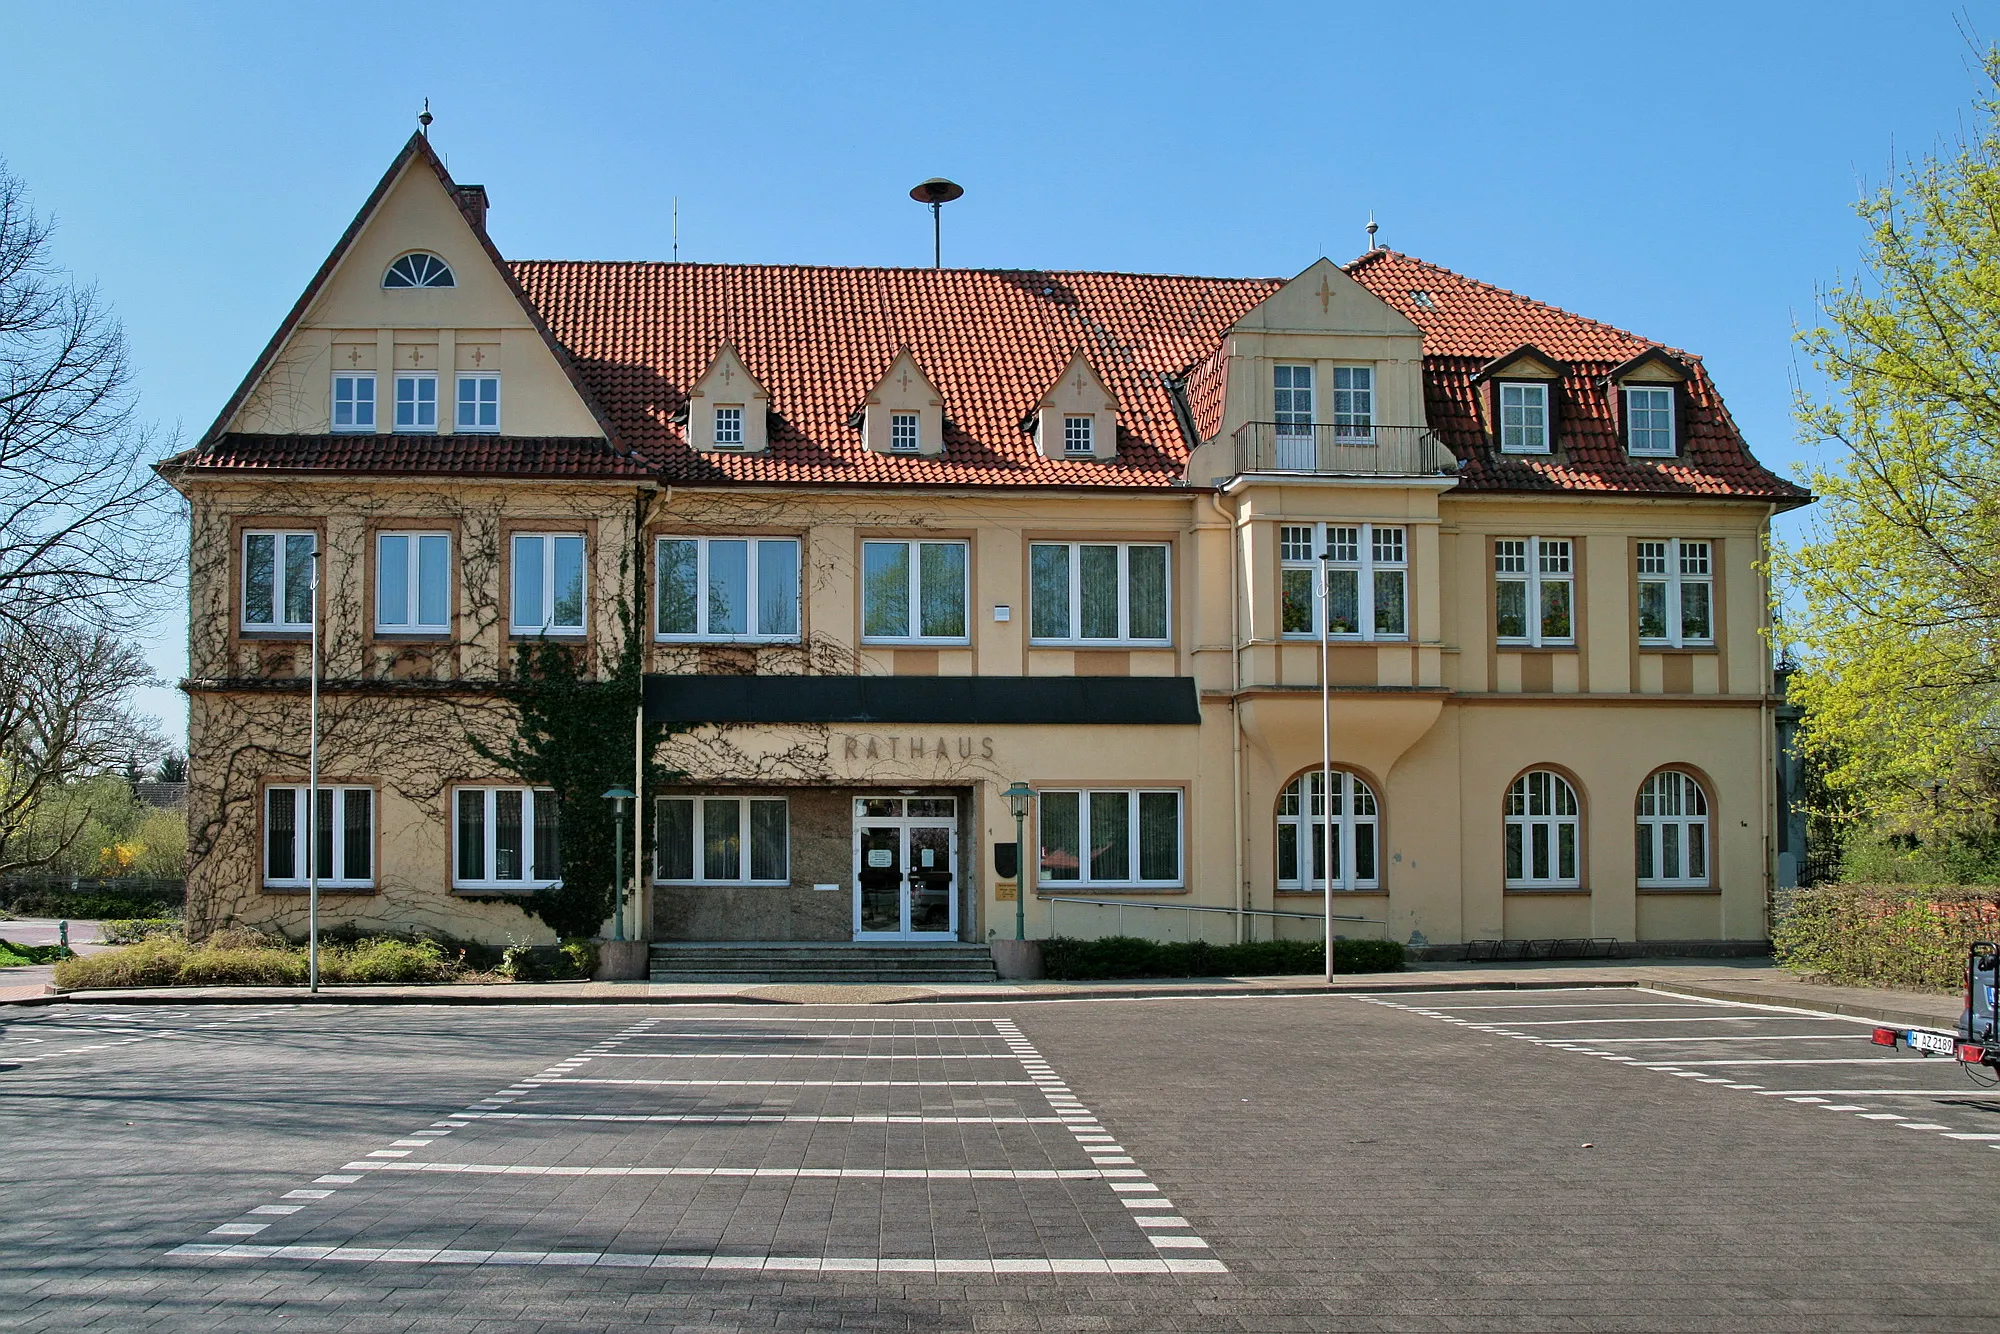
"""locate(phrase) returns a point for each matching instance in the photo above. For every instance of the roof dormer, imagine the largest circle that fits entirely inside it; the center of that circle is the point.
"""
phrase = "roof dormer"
(1648, 395)
(1520, 399)
(904, 413)
(726, 408)
(1078, 417)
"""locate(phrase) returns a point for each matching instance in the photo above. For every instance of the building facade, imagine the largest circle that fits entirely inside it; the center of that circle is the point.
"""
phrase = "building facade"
(895, 540)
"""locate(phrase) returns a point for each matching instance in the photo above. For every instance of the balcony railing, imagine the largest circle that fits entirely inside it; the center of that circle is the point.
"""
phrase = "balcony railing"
(1340, 450)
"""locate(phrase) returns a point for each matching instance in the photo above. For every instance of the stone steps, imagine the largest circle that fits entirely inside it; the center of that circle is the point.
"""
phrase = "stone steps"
(756, 962)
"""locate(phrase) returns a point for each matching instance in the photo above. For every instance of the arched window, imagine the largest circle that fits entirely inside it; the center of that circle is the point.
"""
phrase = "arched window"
(1302, 820)
(1542, 832)
(419, 270)
(1673, 831)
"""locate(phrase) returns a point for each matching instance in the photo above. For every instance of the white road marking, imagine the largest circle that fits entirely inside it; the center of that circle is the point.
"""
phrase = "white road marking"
(808, 1056)
(1874, 1093)
(1829, 1060)
(812, 1264)
(1724, 1037)
(762, 1118)
(815, 1083)
(786, 1173)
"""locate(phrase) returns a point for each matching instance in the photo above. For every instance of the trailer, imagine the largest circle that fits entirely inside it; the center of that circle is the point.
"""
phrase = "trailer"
(1977, 1040)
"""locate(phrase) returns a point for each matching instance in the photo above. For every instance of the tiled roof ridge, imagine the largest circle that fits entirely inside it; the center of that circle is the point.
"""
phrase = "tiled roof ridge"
(1238, 279)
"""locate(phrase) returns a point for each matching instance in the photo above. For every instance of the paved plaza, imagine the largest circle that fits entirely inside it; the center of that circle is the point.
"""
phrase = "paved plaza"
(1586, 1158)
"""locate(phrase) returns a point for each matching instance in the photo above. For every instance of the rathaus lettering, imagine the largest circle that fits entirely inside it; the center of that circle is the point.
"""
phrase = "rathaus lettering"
(917, 748)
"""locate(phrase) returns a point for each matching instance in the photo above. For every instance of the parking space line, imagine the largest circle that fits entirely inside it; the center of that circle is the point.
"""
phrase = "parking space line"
(786, 1173)
(815, 1083)
(773, 1118)
(809, 1264)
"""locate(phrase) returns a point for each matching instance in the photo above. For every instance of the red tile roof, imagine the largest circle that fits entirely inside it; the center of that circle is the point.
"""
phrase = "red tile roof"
(575, 457)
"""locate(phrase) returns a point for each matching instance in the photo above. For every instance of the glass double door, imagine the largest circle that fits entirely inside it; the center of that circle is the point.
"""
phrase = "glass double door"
(905, 879)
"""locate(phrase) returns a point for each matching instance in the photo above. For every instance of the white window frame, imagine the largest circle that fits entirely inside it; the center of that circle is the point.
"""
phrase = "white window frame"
(337, 876)
(548, 585)
(906, 432)
(417, 403)
(1079, 435)
(1543, 563)
(1543, 828)
(1668, 431)
(413, 583)
(357, 403)
(1307, 819)
(429, 274)
(279, 584)
(1368, 543)
(755, 634)
(914, 605)
(1125, 636)
(1084, 878)
(460, 403)
(745, 857)
(1677, 565)
(1541, 390)
(531, 797)
(1673, 819)
(727, 426)
(1354, 405)
(1291, 419)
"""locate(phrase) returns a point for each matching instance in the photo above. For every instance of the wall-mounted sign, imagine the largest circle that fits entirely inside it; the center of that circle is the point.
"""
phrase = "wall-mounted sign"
(927, 856)
(881, 857)
(930, 748)
(1006, 891)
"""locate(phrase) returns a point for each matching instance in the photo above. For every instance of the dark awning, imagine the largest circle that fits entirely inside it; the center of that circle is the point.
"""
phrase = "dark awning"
(985, 700)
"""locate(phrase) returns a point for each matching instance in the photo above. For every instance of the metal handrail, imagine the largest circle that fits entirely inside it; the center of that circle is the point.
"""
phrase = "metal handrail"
(1339, 449)
(1189, 907)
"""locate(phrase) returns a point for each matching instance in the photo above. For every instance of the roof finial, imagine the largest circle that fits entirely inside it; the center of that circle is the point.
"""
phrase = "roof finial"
(1371, 229)
(424, 118)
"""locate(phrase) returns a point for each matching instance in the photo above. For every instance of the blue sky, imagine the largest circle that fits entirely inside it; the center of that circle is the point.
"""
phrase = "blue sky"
(1684, 171)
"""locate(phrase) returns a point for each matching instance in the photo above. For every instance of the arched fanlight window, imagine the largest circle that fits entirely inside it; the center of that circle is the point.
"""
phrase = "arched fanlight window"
(1673, 831)
(1542, 832)
(1302, 821)
(419, 270)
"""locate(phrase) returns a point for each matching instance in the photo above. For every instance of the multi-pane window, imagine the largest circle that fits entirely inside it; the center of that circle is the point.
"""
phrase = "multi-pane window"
(1129, 838)
(419, 270)
(1087, 592)
(1354, 403)
(1676, 593)
(1649, 420)
(353, 402)
(1673, 831)
(903, 432)
(1524, 418)
(478, 404)
(1533, 590)
(1302, 824)
(505, 838)
(413, 583)
(913, 590)
(1292, 399)
(1078, 435)
(1542, 832)
(278, 581)
(548, 584)
(1366, 593)
(732, 588)
(343, 838)
(416, 403)
(729, 428)
(721, 840)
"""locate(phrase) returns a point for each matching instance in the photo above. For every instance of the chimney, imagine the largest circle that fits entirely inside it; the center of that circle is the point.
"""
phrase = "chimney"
(472, 203)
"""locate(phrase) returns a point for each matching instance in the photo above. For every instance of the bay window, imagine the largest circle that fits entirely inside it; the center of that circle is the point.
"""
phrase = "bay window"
(1366, 592)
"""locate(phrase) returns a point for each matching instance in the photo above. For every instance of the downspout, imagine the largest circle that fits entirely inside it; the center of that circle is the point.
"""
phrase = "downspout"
(641, 891)
(1767, 722)
(1236, 832)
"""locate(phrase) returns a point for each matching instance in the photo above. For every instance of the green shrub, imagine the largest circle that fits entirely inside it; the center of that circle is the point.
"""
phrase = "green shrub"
(1913, 936)
(151, 963)
(386, 959)
(576, 957)
(1067, 959)
(132, 930)
(93, 905)
(256, 966)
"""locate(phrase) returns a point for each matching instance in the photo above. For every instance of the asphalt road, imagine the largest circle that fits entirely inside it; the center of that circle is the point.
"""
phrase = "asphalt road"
(1581, 1159)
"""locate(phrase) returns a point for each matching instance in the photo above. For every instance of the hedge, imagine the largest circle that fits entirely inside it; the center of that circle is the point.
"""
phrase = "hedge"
(1912, 936)
(1066, 959)
(93, 900)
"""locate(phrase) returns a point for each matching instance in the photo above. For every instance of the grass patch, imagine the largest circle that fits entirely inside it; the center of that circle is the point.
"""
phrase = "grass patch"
(1068, 960)
(21, 956)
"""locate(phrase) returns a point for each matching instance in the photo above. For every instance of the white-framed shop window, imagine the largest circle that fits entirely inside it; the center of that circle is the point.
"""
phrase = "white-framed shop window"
(505, 838)
(354, 402)
(1676, 593)
(729, 589)
(1302, 822)
(345, 836)
(412, 583)
(1543, 832)
(1649, 421)
(1673, 832)
(1354, 405)
(548, 584)
(1524, 418)
(1111, 838)
(1367, 581)
(417, 403)
(729, 428)
(722, 841)
(478, 405)
(278, 579)
(1534, 591)
(913, 591)
(1098, 593)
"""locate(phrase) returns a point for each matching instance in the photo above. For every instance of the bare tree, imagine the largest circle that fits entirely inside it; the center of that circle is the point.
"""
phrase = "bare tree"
(63, 717)
(85, 524)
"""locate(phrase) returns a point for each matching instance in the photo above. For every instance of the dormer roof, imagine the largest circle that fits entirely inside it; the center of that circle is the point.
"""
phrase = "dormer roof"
(1526, 362)
(1655, 363)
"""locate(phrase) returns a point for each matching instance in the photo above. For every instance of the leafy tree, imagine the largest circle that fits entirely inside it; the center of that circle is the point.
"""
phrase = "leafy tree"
(1899, 584)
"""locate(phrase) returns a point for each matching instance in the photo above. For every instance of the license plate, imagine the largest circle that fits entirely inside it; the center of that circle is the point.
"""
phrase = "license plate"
(1942, 1043)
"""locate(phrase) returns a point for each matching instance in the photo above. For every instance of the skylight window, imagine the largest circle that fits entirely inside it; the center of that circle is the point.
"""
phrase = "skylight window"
(1423, 299)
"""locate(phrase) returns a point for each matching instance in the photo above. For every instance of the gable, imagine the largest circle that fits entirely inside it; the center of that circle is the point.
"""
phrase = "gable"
(728, 385)
(1523, 363)
(1323, 299)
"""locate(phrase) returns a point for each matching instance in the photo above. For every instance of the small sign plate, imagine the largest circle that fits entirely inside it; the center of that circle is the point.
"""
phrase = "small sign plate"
(1006, 891)
(881, 857)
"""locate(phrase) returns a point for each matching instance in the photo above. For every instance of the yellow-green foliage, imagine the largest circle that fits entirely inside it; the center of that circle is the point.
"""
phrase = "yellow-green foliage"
(246, 959)
(1885, 935)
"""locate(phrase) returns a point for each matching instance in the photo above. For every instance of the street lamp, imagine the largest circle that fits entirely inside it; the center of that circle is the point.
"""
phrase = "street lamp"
(618, 796)
(1017, 799)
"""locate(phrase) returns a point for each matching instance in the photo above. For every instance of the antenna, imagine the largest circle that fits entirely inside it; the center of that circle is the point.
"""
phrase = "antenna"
(937, 192)
(424, 118)
(677, 229)
(1371, 229)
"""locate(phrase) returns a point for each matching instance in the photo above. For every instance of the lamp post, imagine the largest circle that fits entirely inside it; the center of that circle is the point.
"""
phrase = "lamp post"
(312, 789)
(1017, 798)
(618, 796)
(1326, 749)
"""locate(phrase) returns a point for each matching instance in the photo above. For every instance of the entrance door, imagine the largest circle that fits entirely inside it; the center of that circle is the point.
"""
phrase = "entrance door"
(905, 868)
